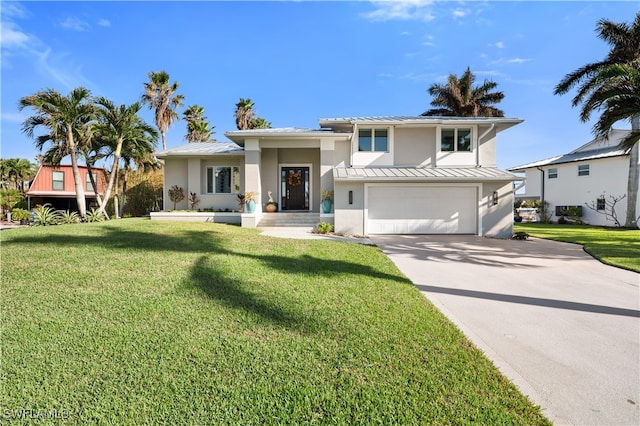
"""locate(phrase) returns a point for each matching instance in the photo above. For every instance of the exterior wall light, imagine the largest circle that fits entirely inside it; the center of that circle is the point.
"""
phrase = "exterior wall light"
(494, 198)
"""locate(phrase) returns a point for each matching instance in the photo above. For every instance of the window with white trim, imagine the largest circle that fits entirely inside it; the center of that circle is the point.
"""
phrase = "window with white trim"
(552, 173)
(455, 139)
(583, 170)
(373, 140)
(223, 180)
(58, 181)
(88, 183)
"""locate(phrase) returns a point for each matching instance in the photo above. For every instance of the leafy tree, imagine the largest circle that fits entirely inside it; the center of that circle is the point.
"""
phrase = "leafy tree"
(63, 117)
(161, 95)
(244, 113)
(121, 126)
(176, 194)
(15, 172)
(138, 155)
(460, 98)
(198, 128)
(612, 87)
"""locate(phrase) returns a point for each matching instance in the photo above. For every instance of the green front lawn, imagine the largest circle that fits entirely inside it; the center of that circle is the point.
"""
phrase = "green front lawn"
(613, 246)
(139, 322)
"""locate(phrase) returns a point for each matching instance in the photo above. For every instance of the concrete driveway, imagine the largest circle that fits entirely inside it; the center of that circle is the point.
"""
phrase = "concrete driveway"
(562, 326)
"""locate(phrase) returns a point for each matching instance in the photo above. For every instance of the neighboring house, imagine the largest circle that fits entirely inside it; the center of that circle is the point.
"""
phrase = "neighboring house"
(389, 175)
(54, 185)
(587, 176)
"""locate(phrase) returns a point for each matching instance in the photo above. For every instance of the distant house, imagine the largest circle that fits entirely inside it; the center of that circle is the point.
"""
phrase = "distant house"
(586, 176)
(388, 175)
(55, 185)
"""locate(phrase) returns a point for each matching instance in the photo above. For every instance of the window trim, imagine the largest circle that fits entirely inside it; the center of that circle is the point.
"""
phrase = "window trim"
(456, 139)
(87, 182)
(586, 170)
(373, 139)
(54, 180)
(232, 184)
(555, 175)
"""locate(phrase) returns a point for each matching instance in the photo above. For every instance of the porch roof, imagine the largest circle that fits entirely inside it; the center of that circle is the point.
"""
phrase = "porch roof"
(439, 174)
(239, 136)
(197, 149)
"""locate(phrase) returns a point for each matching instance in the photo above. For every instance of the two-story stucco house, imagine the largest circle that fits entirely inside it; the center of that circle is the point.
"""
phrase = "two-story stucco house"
(587, 176)
(389, 175)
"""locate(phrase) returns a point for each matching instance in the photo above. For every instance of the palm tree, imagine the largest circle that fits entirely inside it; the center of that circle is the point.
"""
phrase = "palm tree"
(259, 123)
(64, 118)
(161, 95)
(15, 172)
(198, 128)
(459, 98)
(138, 154)
(121, 126)
(244, 113)
(613, 87)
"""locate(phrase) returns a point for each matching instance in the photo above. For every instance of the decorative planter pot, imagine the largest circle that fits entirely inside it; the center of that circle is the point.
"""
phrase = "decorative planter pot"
(271, 207)
(250, 206)
(326, 205)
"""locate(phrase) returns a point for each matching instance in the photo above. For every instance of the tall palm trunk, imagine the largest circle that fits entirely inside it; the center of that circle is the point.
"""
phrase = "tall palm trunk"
(77, 180)
(112, 176)
(95, 190)
(124, 190)
(632, 181)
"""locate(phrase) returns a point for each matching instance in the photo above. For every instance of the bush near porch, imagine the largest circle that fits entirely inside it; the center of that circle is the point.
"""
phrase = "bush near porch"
(141, 322)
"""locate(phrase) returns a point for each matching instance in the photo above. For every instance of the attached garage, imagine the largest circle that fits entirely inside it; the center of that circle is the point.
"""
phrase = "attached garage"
(421, 209)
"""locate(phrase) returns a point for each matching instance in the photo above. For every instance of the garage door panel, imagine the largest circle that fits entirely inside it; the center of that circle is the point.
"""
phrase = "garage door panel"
(421, 210)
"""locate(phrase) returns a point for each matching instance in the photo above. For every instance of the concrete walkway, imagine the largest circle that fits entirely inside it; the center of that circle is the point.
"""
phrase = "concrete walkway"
(562, 326)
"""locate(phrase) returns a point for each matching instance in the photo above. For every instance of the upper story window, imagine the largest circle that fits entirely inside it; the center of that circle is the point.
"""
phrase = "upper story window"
(223, 180)
(58, 181)
(552, 173)
(373, 140)
(583, 170)
(455, 140)
(89, 185)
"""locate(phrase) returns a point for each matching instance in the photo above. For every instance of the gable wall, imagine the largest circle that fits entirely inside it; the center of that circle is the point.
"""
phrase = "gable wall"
(415, 147)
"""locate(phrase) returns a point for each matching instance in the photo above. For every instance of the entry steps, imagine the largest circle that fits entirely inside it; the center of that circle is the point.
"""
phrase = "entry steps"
(282, 219)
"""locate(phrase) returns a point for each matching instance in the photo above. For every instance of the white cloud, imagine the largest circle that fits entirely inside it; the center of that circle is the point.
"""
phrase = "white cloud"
(429, 41)
(518, 60)
(459, 13)
(13, 117)
(498, 44)
(12, 9)
(11, 37)
(75, 24)
(104, 23)
(419, 10)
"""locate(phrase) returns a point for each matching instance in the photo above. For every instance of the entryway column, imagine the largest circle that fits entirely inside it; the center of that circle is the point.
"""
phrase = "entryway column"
(252, 181)
(327, 161)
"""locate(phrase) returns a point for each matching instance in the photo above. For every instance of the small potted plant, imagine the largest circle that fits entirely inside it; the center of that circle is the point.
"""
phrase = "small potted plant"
(327, 200)
(250, 202)
(271, 206)
(20, 215)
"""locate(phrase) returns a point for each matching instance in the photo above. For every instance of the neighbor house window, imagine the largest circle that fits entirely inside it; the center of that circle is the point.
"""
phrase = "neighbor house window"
(455, 140)
(89, 185)
(552, 173)
(600, 204)
(58, 181)
(583, 170)
(376, 140)
(223, 180)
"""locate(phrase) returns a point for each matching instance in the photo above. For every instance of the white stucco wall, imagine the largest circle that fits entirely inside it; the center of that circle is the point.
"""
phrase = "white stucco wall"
(496, 220)
(415, 147)
(606, 176)
(175, 173)
(349, 218)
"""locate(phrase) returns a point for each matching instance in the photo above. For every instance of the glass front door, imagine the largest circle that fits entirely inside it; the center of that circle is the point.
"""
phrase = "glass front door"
(294, 188)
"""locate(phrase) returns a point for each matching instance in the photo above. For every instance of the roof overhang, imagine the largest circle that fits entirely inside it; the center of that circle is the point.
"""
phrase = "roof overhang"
(423, 174)
(202, 149)
(239, 136)
(499, 122)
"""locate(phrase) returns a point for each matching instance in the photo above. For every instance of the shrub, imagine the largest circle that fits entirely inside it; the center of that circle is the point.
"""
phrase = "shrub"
(19, 214)
(94, 216)
(324, 228)
(176, 194)
(520, 235)
(68, 217)
(45, 215)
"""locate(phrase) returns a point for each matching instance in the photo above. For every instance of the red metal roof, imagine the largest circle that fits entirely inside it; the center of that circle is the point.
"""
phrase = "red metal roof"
(43, 184)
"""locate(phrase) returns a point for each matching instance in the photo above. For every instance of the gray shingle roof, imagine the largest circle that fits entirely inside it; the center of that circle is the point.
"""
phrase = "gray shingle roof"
(422, 174)
(201, 148)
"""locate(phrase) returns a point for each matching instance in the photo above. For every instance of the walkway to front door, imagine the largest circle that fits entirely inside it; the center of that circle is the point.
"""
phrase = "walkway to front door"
(294, 184)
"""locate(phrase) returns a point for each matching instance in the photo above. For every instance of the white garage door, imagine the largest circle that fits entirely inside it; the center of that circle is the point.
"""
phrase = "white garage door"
(422, 210)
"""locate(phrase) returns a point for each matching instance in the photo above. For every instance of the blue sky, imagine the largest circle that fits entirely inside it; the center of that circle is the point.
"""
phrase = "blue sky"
(302, 61)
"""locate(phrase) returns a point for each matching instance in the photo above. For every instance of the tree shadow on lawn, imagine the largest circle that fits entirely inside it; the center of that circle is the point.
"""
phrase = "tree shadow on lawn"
(216, 283)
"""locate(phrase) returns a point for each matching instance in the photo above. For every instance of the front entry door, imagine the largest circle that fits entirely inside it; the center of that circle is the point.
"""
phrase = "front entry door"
(294, 184)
